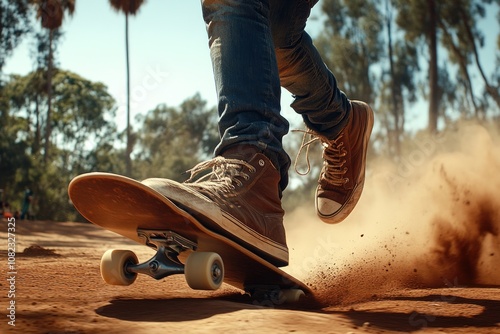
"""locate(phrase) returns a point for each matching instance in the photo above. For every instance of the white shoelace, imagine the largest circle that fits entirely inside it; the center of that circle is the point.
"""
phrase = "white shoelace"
(221, 179)
(333, 155)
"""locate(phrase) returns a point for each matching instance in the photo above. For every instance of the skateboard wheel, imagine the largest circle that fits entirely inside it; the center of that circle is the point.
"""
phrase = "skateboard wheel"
(204, 271)
(114, 267)
(291, 295)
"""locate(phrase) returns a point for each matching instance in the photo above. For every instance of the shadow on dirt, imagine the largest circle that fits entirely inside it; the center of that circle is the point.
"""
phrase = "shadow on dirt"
(182, 309)
(169, 310)
(487, 317)
(437, 311)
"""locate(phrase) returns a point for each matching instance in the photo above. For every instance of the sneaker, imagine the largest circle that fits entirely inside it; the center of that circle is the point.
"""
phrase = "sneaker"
(238, 198)
(342, 178)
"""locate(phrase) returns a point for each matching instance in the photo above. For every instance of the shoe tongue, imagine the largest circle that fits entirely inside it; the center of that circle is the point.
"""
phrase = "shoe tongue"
(241, 152)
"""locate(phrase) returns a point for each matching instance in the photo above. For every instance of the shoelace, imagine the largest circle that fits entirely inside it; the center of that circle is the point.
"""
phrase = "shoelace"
(333, 155)
(220, 181)
(307, 144)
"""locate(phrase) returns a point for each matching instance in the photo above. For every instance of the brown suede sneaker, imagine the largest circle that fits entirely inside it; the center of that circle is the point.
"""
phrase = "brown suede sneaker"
(239, 198)
(343, 175)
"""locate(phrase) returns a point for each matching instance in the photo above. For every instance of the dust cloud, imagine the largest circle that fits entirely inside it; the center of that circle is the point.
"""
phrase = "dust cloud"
(432, 220)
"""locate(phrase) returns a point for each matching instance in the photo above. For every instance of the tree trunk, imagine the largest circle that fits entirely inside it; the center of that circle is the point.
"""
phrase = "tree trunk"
(433, 67)
(48, 126)
(128, 161)
(395, 98)
(36, 143)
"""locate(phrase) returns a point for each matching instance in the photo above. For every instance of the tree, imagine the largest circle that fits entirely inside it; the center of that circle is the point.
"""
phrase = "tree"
(351, 44)
(418, 19)
(398, 85)
(13, 145)
(462, 39)
(128, 7)
(83, 132)
(24, 95)
(174, 139)
(14, 24)
(39, 79)
(82, 114)
(397, 98)
(51, 14)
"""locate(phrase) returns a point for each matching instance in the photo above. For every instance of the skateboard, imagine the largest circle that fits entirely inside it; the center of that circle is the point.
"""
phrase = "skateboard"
(183, 244)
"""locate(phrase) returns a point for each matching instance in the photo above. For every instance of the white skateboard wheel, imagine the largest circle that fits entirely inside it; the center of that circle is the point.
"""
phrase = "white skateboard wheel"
(113, 266)
(204, 271)
(291, 295)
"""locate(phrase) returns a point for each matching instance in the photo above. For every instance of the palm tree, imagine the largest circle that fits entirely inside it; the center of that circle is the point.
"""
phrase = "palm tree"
(128, 7)
(51, 14)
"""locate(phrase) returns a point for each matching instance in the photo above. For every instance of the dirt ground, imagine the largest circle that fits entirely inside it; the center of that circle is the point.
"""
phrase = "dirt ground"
(58, 289)
(419, 254)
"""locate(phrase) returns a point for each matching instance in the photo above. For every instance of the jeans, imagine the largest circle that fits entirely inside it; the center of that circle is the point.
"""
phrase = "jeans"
(257, 46)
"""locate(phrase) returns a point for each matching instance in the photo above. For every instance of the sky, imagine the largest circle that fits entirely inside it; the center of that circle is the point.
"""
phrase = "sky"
(169, 54)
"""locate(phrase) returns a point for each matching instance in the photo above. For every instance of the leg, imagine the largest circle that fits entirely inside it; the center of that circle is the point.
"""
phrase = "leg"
(323, 106)
(246, 77)
(343, 126)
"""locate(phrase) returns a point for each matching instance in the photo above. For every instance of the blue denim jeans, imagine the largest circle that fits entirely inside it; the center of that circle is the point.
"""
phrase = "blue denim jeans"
(257, 46)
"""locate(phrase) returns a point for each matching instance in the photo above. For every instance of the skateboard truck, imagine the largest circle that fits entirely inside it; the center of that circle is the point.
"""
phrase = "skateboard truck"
(165, 262)
(202, 270)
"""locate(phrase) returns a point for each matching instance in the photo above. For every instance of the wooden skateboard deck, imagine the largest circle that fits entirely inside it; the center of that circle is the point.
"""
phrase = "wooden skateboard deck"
(138, 212)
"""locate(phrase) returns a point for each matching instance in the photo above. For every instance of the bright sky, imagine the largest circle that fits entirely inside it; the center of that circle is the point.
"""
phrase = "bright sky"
(169, 55)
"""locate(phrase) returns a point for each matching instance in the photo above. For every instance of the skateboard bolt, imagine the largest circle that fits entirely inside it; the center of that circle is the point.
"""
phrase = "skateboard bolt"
(153, 266)
(216, 272)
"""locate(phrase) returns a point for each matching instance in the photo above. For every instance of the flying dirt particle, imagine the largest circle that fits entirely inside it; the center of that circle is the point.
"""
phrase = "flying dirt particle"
(445, 222)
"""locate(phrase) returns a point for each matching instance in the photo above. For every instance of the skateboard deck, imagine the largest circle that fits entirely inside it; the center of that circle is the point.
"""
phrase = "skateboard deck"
(138, 212)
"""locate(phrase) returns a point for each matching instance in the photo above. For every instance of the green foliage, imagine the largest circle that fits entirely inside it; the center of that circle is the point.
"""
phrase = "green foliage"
(82, 131)
(351, 44)
(382, 52)
(172, 140)
(14, 25)
(81, 120)
(378, 50)
(84, 139)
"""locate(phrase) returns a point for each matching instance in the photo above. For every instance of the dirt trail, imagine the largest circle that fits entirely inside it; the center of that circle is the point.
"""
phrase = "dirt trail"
(65, 294)
(420, 254)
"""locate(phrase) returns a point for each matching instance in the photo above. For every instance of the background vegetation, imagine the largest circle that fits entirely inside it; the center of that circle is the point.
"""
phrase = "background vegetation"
(56, 124)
